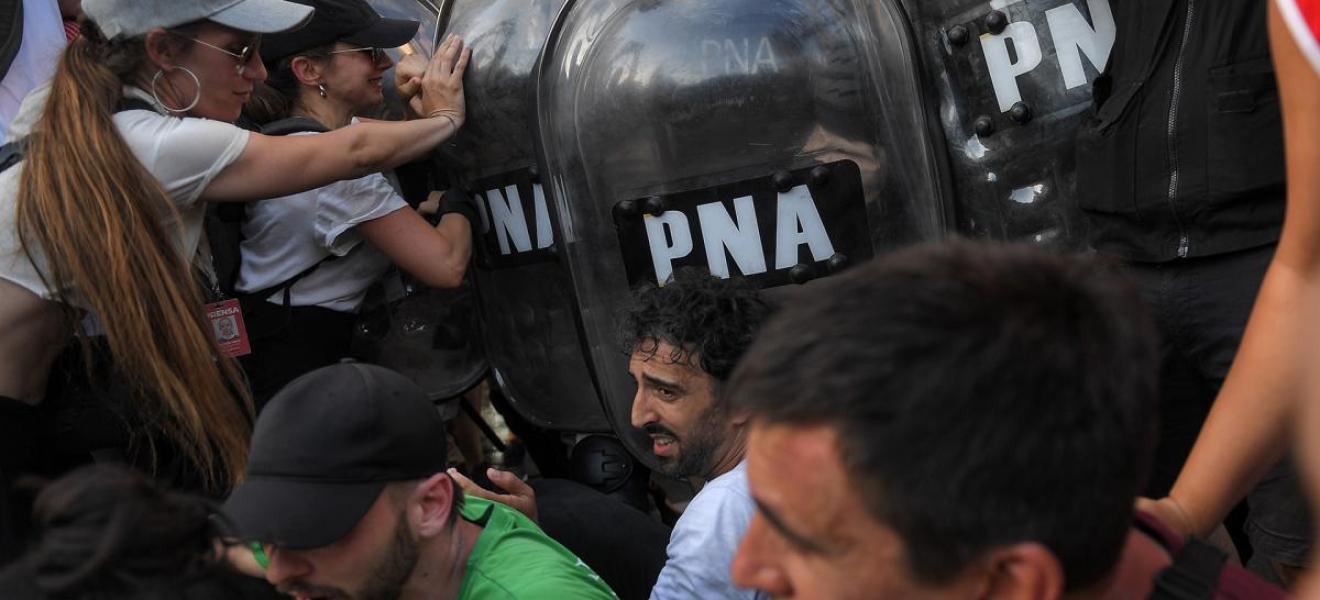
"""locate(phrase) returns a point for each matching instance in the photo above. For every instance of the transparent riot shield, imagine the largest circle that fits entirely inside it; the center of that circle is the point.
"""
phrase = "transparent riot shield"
(776, 140)
(529, 313)
(1013, 82)
(429, 335)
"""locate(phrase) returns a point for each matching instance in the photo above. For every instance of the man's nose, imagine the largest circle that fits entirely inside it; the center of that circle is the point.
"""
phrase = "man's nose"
(641, 411)
(285, 566)
(755, 566)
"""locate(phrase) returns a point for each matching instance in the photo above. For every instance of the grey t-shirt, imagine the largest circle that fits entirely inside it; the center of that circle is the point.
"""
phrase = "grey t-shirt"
(704, 540)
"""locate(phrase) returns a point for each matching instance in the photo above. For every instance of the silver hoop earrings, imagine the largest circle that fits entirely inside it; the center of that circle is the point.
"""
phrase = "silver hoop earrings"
(162, 104)
(320, 87)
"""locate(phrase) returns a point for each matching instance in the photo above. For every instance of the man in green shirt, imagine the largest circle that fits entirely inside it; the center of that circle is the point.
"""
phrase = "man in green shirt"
(347, 495)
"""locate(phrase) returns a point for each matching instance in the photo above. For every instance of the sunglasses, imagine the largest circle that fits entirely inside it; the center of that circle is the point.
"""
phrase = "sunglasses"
(244, 56)
(377, 54)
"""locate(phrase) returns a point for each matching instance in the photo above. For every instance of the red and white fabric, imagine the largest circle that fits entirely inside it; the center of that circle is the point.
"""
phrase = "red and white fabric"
(1303, 19)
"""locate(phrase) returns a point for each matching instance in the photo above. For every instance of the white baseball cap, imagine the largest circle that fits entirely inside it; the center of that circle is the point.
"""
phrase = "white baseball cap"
(131, 18)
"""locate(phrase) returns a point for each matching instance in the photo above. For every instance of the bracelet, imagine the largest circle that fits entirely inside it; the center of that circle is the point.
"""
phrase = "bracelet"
(444, 114)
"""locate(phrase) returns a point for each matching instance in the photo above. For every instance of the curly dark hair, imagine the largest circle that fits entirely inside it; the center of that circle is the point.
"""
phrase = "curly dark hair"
(703, 317)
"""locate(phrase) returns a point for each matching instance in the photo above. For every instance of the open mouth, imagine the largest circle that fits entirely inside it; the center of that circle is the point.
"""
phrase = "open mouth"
(663, 445)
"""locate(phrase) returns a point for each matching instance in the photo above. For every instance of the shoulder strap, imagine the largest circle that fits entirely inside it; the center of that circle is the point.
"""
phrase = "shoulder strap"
(131, 103)
(287, 285)
(1194, 574)
(11, 153)
(293, 125)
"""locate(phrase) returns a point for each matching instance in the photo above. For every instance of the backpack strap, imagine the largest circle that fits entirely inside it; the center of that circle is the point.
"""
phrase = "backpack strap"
(287, 285)
(293, 125)
(11, 153)
(288, 126)
(1194, 574)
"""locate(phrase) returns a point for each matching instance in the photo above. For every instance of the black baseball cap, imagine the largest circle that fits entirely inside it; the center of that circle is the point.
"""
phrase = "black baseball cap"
(352, 21)
(325, 447)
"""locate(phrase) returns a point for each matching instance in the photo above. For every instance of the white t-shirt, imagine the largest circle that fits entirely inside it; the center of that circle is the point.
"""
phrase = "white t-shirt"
(43, 40)
(185, 155)
(704, 540)
(282, 237)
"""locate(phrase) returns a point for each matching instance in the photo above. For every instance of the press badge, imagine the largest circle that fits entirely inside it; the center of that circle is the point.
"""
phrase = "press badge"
(230, 332)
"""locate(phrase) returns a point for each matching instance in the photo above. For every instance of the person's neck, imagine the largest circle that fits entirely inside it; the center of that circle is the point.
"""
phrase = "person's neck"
(442, 565)
(729, 455)
(324, 112)
(1133, 577)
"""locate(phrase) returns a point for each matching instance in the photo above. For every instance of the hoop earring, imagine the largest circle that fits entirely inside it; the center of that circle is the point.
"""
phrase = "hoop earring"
(185, 109)
(320, 87)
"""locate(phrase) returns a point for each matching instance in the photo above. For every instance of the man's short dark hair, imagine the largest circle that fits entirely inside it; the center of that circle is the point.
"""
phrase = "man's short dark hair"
(702, 316)
(983, 395)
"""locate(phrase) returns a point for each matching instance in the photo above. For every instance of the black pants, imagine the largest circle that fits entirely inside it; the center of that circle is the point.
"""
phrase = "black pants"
(289, 341)
(1201, 307)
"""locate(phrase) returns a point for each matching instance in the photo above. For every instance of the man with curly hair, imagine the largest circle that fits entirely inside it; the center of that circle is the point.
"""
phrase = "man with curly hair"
(685, 337)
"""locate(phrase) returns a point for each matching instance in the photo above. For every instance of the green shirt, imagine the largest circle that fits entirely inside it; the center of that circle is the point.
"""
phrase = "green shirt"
(514, 560)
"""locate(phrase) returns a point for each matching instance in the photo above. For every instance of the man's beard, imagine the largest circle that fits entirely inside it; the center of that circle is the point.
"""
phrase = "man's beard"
(386, 580)
(696, 449)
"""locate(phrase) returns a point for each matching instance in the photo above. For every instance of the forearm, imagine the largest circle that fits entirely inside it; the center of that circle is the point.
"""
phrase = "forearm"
(382, 145)
(1247, 430)
(458, 232)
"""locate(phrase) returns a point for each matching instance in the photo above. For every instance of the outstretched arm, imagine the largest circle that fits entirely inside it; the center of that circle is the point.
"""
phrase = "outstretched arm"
(274, 166)
(1249, 430)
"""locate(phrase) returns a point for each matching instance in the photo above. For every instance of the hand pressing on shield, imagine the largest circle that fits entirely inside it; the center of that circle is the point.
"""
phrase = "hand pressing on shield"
(435, 88)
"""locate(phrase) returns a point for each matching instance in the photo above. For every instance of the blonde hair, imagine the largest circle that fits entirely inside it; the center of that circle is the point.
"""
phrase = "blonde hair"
(98, 216)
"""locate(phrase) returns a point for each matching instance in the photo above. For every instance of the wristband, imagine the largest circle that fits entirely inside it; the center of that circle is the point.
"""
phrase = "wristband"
(259, 554)
(458, 201)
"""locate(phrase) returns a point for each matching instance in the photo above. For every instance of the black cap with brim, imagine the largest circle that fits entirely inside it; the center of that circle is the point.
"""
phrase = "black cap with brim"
(351, 21)
(385, 33)
(298, 514)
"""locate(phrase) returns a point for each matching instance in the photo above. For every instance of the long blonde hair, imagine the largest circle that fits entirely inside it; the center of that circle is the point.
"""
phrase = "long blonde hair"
(99, 217)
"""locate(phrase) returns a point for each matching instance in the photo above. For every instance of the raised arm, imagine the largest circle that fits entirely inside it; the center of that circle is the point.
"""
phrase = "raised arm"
(1249, 430)
(438, 256)
(274, 166)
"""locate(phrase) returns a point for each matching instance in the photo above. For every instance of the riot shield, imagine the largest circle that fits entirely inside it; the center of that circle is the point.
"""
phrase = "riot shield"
(527, 306)
(1013, 82)
(776, 140)
(429, 335)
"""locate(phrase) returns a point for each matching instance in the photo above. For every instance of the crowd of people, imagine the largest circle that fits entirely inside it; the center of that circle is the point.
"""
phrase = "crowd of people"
(953, 420)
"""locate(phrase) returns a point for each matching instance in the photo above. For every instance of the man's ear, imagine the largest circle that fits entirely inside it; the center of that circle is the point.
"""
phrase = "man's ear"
(307, 71)
(162, 52)
(1025, 571)
(431, 504)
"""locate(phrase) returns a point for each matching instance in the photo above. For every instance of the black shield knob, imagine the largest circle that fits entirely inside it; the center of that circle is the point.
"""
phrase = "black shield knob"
(837, 263)
(959, 36)
(1020, 113)
(655, 205)
(783, 181)
(984, 126)
(996, 22)
(802, 273)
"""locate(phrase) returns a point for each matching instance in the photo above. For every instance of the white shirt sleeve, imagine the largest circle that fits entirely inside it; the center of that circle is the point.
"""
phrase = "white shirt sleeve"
(340, 208)
(184, 155)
